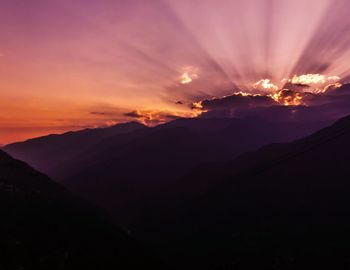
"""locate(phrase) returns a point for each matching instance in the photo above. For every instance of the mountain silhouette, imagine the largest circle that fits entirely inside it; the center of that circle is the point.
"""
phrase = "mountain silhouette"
(44, 227)
(49, 154)
(202, 193)
(135, 170)
(285, 206)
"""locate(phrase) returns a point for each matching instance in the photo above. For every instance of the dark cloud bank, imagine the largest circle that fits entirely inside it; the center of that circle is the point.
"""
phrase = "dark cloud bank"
(326, 107)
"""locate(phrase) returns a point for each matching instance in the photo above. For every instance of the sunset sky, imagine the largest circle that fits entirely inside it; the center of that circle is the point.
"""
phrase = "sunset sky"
(67, 65)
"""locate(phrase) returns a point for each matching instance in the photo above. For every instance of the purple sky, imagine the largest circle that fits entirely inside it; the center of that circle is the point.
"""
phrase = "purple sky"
(72, 64)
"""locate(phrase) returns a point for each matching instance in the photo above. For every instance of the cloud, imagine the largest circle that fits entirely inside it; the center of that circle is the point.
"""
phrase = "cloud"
(106, 115)
(189, 74)
(228, 105)
(100, 113)
(298, 87)
(265, 85)
(325, 107)
(239, 100)
(111, 123)
(330, 104)
(315, 83)
(288, 97)
(156, 117)
(134, 114)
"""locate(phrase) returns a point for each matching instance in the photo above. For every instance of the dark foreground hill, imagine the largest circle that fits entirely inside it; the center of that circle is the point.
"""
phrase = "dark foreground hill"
(43, 227)
(286, 206)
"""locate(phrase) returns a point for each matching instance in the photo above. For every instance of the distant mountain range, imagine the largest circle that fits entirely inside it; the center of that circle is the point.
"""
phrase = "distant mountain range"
(130, 169)
(50, 153)
(44, 227)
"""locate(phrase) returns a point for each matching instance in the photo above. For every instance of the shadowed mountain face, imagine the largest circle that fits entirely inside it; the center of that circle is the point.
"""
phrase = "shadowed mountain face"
(51, 153)
(285, 206)
(43, 227)
(133, 171)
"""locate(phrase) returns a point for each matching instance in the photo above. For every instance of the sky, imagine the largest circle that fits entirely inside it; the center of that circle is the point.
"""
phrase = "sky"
(67, 65)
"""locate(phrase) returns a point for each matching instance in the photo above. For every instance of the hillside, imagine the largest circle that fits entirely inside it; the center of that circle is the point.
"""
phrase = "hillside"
(44, 227)
(285, 206)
